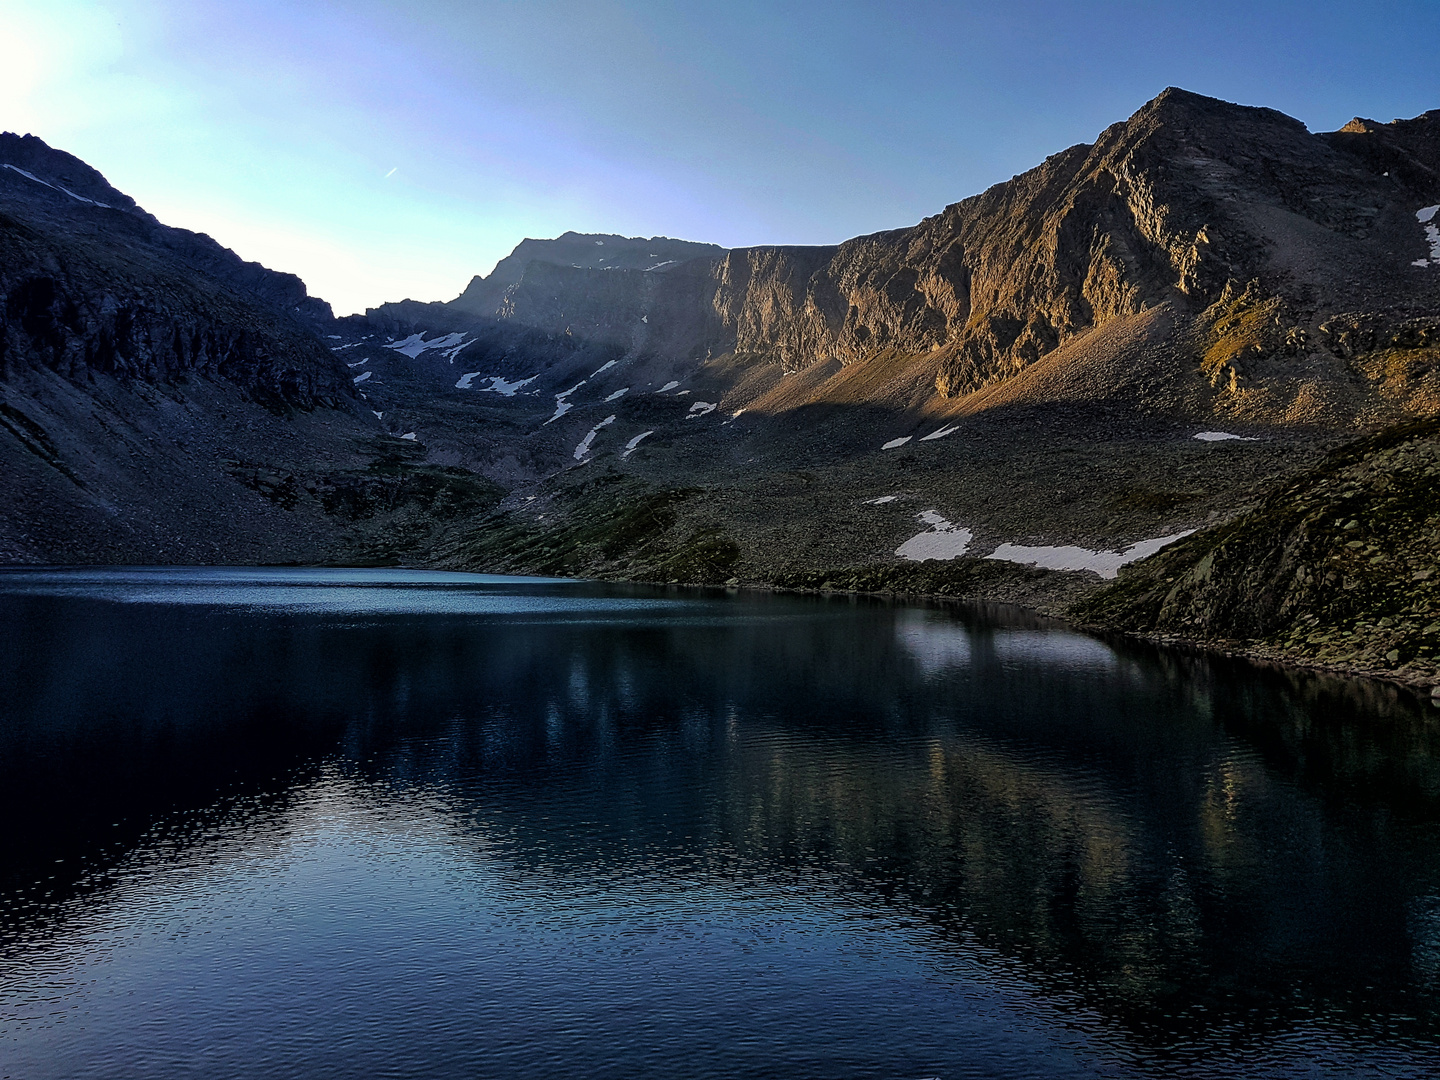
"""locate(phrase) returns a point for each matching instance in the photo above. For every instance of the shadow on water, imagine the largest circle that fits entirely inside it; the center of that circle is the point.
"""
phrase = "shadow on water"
(1194, 849)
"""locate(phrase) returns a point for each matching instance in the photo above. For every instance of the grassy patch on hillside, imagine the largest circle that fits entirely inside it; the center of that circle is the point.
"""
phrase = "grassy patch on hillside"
(615, 528)
(1339, 567)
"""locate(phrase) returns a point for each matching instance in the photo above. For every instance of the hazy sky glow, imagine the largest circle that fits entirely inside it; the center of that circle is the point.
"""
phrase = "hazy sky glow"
(392, 149)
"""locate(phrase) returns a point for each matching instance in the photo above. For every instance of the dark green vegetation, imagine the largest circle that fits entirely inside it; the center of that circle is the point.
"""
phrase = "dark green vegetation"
(617, 529)
(1338, 567)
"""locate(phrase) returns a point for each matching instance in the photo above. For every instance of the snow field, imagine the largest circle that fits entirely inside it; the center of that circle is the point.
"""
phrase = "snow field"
(416, 344)
(943, 540)
(1105, 563)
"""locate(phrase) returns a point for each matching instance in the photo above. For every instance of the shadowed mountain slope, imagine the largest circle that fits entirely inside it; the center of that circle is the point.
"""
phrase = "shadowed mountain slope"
(93, 283)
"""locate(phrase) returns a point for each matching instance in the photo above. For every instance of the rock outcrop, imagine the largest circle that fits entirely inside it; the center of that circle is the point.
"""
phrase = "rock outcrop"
(1335, 568)
(89, 282)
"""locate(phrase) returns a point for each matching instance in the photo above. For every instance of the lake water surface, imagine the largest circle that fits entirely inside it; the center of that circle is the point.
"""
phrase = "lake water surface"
(311, 823)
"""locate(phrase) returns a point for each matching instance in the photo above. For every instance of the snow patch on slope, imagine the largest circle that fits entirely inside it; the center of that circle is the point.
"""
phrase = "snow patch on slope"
(563, 406)
(633, 443)
(943, 540)
(1105, 563)
(498, 385)
(584, 447)
(416, 344)
(1425, 216)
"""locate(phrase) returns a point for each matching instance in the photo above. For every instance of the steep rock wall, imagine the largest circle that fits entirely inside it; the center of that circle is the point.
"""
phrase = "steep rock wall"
(90, 282)
(1189, 202)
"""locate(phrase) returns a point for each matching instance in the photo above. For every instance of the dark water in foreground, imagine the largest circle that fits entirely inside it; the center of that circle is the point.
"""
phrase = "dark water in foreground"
(368, 824)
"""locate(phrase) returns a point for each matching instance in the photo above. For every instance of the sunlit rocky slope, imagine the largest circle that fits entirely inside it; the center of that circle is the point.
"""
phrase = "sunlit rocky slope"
(1016, 398)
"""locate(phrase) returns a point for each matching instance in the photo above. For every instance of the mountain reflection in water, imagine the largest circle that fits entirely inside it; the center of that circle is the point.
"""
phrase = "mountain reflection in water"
(326, 822)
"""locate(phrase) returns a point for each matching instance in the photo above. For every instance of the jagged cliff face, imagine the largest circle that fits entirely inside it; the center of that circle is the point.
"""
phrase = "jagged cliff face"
(1191, 202)
(89, 282)
(495, 294)
(1188, 197)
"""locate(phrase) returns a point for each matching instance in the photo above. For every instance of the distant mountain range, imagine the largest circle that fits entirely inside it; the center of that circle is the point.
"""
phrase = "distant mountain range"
(1149, 335)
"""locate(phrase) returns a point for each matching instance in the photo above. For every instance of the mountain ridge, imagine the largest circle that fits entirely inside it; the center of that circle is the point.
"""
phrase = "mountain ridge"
(1191, 202)
(1141, 338)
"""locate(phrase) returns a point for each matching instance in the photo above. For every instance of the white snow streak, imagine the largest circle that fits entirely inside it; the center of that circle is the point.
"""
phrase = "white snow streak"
(893, 443)
(409, 435)
(56, 187)
(882, 500)
(561, 405)
(604, 367)
(363, 376)
(1105, 563)
(667, 386)
(1222, 436)
(633, 443)
(584, 447)
(941, 433)
(701, 408)
(618, 394)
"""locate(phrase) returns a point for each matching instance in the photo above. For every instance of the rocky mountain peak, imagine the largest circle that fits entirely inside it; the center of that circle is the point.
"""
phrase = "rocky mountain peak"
(579, 251)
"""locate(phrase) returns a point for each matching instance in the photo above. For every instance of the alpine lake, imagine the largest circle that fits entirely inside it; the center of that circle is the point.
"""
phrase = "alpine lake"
(387, 823)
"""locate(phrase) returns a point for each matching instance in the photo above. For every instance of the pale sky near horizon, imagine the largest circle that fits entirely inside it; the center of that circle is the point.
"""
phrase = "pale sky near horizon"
(385, 150)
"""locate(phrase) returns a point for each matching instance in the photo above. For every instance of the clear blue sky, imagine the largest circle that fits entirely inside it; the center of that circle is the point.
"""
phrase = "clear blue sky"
(386, 149)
